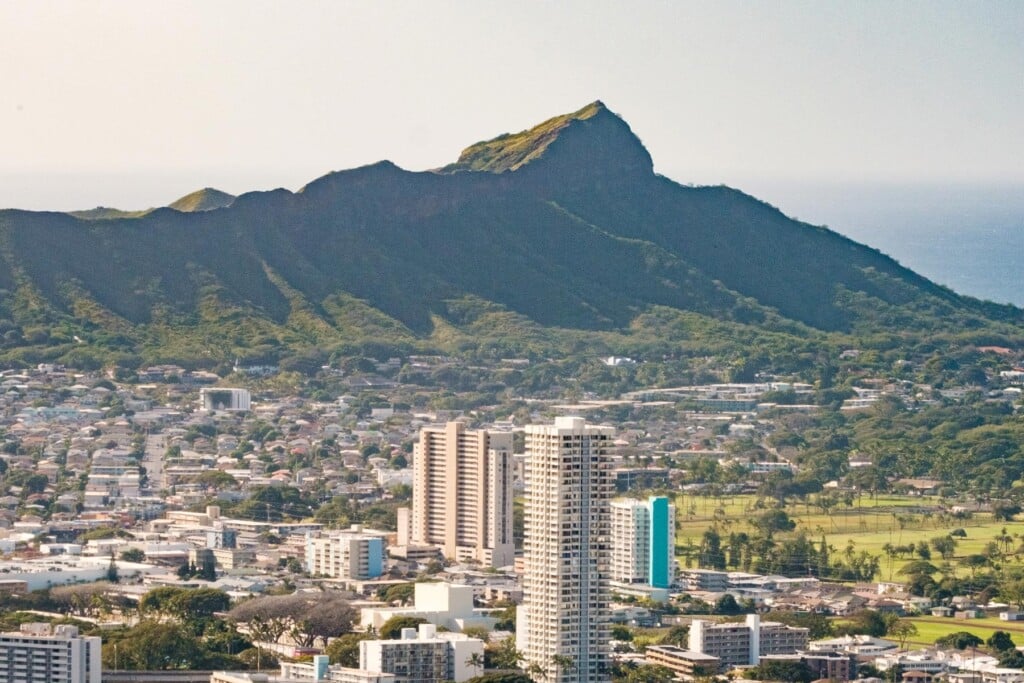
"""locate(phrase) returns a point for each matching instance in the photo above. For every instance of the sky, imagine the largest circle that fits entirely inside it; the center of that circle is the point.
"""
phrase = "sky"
(133, 104)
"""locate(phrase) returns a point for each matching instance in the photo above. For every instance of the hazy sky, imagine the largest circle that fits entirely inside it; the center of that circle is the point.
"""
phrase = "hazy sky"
(131, 104)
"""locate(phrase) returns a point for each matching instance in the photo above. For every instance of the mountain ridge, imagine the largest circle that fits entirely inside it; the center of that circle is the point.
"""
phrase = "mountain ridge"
(564, 224)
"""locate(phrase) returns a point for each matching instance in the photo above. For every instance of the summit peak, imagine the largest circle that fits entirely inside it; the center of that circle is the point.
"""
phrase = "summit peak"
(592, 138)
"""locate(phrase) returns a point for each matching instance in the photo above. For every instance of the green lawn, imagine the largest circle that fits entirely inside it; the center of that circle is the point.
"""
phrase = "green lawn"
(869, 524)
(929, 629)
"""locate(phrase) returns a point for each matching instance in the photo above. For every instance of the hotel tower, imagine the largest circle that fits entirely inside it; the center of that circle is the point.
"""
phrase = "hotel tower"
(563, 625)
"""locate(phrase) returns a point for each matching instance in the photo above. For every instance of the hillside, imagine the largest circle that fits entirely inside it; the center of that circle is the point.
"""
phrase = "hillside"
(205, 199)
(549, 238)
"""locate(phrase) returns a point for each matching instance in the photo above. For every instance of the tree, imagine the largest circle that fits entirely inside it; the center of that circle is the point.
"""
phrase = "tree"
(215, 479)
(901, 630)
(392, 628)
(156, 603)
(865, 621)
(133, 555)
(325, 619)
(960, 640)
(727, 605)
(711, 554)
(1013, 592)
(475, 661)
(503, 677)
(153, 646)
(649, 673)
(187, 570)
(775, 670)
(1011, 659)
(916, 567)
(678, 635)
(773, 520)
(87, 599)
(305, 617)
(344, 650)
(400, 593)
(944, 546)
(536, 670)
(1005, 512)
(35, 483)
(208, 571)
(194, 608)
(1000, 641)
(268, 618)
(621, 632)
(975, 562)
(562, 664)
(503, 655)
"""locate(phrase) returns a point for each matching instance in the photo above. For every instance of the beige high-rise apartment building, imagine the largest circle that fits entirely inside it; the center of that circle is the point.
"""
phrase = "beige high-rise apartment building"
(563, 626)
(462, 493)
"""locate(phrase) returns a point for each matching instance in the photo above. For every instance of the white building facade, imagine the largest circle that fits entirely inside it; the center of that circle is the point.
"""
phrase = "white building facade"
(41, 653)
(351, 554)
(563, 625)
(643, 542)
(424, 656)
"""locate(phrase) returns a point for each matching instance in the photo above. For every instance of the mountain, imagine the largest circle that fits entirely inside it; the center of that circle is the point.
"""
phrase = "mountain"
(203, 200)
(200, 200)
(561, 232)
(107, 212)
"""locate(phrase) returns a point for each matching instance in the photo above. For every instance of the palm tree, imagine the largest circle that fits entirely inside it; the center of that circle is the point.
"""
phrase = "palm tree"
(562, 663)
(476, 662)
(536, 671)
(890, 553)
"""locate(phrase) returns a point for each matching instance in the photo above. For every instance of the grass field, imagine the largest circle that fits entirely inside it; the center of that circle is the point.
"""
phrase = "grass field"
(930, 629)
(870, 524)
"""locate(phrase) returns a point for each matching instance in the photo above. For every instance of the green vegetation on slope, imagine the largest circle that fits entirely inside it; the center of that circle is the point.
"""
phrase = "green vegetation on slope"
(576, 246)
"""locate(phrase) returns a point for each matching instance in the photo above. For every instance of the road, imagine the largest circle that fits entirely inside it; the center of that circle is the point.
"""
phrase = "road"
(153, 460)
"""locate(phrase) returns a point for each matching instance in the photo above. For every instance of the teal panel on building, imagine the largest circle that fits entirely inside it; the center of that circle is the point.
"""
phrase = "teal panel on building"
(375, 552)
(658, 511)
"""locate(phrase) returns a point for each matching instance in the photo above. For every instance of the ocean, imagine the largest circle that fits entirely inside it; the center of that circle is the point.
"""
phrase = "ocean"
(969, 238)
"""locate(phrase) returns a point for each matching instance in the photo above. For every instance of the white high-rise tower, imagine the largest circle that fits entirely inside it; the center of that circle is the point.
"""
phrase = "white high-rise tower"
(563, 625)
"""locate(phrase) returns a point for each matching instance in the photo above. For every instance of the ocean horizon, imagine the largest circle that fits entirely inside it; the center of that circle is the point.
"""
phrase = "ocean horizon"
(967, 237)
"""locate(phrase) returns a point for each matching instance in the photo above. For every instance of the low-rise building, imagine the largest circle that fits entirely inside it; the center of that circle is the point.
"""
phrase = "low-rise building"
(424, 656)
(743, 643)
(441, 604)
(352, 554)
(683, 662)
(832, 666)
(55, 654)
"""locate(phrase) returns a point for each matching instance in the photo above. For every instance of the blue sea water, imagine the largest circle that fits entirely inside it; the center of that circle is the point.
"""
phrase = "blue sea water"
(969, 238)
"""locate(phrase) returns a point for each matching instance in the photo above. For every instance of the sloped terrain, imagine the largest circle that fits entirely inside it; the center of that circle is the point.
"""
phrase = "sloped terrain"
(564, 226)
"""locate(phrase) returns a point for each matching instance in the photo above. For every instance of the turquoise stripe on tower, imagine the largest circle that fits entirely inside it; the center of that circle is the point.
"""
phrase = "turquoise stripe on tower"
(657, 513)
